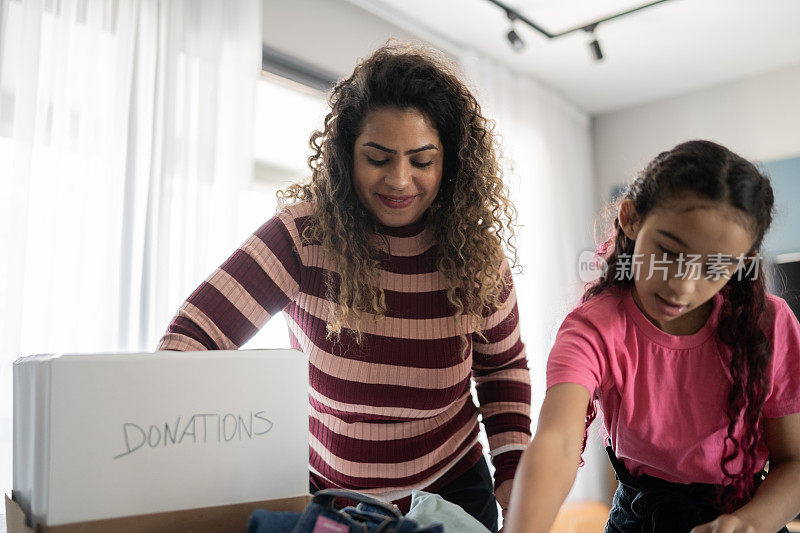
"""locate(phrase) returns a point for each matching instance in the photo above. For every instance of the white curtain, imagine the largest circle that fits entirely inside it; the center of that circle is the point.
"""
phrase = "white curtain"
(547, 147)
(125, 144)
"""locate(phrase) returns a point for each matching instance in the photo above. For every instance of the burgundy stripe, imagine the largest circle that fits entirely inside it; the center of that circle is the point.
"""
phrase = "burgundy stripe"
(415, 264)
(350, 418)
(414, 305)
(460, 468)
(379, 395)
(223, 313)
(519, 364)
(505, 466)
(313, 282)
(301, 223)
(419, 353)
(277, 238)
(188, 328)
(419, 305)
(503, 391)
(409, 231)
(391, 451)
(505, 327)
(504, 294)
(343, 480)
(423, 263)
(500, 361)
(505, 422)
(404, 504)
(256, 282)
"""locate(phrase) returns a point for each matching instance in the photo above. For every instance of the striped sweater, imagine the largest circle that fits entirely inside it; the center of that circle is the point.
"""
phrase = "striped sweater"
(394, 413)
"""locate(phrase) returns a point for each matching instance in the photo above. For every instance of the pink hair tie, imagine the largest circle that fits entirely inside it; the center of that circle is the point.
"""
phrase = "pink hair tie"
(603, 248)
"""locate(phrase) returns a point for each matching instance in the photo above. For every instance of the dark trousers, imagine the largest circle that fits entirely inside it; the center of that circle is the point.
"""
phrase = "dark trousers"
(646, 503)
(473, 491)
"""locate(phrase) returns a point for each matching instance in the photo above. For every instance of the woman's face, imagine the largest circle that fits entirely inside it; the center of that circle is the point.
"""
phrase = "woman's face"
(685, 253)
(398, 161)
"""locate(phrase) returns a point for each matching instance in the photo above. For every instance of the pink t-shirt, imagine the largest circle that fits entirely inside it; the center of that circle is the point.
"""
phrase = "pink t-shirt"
(663, 396)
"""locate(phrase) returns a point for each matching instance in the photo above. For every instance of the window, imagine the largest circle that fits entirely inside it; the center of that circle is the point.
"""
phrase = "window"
(286, 115)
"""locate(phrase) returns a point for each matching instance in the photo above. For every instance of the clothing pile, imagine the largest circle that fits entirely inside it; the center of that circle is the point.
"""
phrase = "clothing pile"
(429, 513)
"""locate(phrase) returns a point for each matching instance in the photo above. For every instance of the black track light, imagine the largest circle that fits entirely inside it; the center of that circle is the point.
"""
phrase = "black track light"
(594, 44)
(514, 39)
(597, 52)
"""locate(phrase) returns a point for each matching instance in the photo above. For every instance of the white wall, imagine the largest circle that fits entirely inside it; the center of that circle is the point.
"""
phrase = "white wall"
(758, 118)
(329, 35)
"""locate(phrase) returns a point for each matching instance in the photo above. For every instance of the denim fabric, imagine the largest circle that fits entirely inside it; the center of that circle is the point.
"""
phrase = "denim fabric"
(262, 521)
(370, 516)
(649, 504)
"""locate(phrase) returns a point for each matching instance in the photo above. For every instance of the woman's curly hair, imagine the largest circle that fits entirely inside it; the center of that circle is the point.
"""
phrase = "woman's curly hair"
(711, 171)
(471, 217)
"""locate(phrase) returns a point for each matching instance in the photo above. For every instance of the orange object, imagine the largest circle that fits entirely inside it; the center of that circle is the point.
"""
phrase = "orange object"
(582, 517)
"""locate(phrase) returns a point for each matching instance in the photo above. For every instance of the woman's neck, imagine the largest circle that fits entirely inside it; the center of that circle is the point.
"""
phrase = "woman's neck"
(410, 230)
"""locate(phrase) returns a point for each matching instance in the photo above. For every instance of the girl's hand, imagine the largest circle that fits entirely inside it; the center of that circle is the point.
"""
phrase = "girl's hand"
(726, 523)
(777, 499)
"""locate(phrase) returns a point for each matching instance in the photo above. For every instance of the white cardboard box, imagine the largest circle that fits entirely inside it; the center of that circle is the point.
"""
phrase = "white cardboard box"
(113, 435)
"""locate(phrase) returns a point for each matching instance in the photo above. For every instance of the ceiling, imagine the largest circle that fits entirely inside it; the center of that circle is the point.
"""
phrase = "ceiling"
(669, 49)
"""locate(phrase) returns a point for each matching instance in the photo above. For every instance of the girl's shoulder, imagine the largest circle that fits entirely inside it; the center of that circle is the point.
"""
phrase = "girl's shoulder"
(784, 391)
(776, 303)
(783, 318)
(604, 313)
(608, 305)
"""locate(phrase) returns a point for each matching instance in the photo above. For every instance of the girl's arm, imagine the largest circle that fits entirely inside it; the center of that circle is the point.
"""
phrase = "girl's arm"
(549, 465)
(777, 500)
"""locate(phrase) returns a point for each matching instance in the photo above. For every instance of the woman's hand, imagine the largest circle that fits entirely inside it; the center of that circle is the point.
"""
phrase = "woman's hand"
(726, 523)
(503, 496)
(503, 529)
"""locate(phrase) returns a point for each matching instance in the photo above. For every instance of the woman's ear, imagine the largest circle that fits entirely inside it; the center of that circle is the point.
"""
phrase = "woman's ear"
(629, 219)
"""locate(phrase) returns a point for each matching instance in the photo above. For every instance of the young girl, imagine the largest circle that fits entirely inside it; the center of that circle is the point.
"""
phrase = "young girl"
(696, 368)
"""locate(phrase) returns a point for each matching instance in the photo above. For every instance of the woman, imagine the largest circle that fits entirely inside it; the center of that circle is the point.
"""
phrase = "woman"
(389, 265)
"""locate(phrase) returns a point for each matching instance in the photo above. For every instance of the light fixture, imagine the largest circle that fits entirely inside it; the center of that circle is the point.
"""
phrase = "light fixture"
(597, 52)
(516, 43)
(513, 37)
(594, 44)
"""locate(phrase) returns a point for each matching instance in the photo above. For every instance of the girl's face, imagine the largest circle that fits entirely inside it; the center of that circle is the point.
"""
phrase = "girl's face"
(398, 161)
(676, 254)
